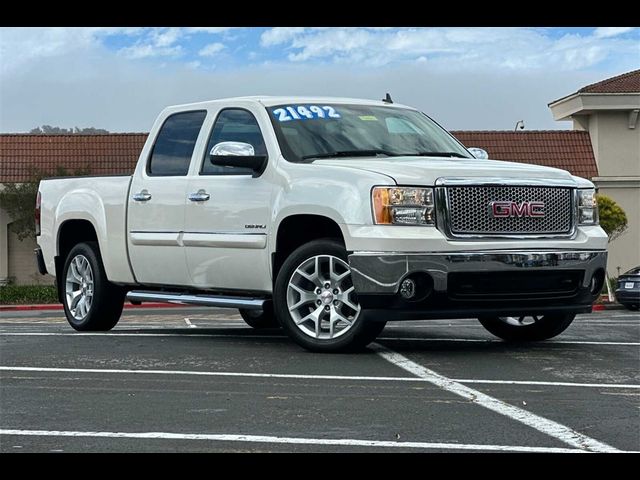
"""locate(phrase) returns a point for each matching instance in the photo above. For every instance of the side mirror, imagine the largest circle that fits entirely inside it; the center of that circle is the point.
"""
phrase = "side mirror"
(478, 153)
(237, 154)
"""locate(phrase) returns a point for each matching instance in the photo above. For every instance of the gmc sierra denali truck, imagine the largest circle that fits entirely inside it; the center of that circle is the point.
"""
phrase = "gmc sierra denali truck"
(327, 217)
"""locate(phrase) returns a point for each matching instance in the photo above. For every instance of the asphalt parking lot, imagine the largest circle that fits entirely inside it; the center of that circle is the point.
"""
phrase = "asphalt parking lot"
(201, 380)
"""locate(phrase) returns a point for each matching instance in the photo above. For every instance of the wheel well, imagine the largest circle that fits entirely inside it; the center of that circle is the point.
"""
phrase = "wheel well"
(70, 234)
(296, 230)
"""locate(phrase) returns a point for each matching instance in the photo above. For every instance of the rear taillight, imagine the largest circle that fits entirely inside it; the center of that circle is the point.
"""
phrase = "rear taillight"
(38, 214)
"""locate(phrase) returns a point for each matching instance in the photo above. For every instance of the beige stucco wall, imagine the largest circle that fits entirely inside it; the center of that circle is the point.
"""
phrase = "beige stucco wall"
(22, 262)
(615, 145)
(624, 252)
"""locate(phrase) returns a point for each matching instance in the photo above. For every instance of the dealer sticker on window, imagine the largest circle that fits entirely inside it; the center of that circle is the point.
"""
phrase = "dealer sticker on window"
(305, 112)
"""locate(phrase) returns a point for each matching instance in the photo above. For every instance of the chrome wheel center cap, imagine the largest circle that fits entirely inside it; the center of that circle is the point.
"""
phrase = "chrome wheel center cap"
(326, 297)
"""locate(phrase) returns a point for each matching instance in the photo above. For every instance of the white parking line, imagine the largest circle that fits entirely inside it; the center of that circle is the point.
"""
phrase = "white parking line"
(105, 334)
(535, 344)
(277, 337)
(290, 440)
(544, 425)
(189, 324)
(550, 384)
(6, 368)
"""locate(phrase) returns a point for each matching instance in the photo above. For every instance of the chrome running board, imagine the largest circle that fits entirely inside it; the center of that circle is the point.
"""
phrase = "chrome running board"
(247, 303)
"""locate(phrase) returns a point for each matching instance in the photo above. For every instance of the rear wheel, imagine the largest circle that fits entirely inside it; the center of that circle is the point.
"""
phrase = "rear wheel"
(315, 300)
(91, 302)
(259, 319)
(528, 328)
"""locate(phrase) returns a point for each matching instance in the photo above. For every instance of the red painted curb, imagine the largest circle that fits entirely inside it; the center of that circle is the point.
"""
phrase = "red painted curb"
(597, 308)
(57, 306)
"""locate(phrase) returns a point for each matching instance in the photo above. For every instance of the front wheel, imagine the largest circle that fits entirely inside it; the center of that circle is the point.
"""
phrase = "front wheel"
(260, 319)
(315, 300)
(528, 328)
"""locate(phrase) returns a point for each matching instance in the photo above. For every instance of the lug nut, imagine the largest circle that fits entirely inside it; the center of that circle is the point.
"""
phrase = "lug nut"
(318, 302)
(327, 308)
(318, 291)
(327, 285)
(335, 291)
(336, 303)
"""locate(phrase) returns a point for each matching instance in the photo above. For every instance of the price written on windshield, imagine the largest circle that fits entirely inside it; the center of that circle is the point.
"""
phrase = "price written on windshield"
(305, 112)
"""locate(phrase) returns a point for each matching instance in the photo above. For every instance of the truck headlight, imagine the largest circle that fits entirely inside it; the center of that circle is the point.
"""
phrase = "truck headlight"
(587, 207)
(403, 206)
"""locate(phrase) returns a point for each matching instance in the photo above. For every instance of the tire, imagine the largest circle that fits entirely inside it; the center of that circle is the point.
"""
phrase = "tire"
(260, 319)
(84, 272)
(337, 324)
(516, 329)
(631, 306)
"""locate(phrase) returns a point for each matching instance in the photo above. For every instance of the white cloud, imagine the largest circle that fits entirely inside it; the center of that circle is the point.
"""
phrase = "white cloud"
(604, 32)
(451, 48)
(212, 30)
(149, 50)
(211, 50)
(279, 35)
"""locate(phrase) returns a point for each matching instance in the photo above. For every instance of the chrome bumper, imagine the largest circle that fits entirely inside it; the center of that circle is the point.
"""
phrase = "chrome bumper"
(382, 272)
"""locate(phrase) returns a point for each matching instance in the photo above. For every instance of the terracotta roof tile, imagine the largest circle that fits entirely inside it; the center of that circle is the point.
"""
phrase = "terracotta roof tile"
(566, 149)
(626, 83)
(111, 154)
(21, 154)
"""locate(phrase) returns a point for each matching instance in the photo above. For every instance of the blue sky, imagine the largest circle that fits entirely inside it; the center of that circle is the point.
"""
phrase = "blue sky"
(468, 78)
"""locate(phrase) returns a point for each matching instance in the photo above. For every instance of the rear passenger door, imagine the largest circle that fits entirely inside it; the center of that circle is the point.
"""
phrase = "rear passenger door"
(157, 200)
(226, 234)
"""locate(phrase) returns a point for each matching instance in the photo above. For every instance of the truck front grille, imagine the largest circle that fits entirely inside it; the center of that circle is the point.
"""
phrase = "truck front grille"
(471, 212)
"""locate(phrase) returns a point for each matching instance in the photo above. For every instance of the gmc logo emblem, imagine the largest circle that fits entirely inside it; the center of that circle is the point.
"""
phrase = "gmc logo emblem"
(514, 209)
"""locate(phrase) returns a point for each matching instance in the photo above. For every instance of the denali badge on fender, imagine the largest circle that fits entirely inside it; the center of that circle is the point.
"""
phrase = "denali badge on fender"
(514, 209)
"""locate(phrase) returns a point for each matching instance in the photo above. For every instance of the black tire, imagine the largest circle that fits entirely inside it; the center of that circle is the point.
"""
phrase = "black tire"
(260, 319)
(631, 306)
(107, 300)
(545, 327)
(359, 335)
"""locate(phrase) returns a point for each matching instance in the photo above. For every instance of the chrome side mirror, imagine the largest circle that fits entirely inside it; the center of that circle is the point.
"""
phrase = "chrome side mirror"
(238, 149)
(478, 153)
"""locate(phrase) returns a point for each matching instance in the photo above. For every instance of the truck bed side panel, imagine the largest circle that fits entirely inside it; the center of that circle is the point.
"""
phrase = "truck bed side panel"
(100, 200)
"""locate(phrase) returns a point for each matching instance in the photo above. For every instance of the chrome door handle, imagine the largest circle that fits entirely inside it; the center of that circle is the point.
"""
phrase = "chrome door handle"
(199, 196)
(143, 196)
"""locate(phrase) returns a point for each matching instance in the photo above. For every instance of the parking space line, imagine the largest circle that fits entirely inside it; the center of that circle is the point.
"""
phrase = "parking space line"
(550, 384)
(6, 368)
(208, 374)
(289, 440)
(544, 425)
(489, 340)
(279, 337)
(189, 324)
(105, 334)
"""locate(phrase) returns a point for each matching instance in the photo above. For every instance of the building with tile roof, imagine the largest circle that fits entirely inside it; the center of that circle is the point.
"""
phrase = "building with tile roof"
(608, 112)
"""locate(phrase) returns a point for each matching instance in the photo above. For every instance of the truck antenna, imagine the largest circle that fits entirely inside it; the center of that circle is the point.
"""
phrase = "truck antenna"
(387, 99)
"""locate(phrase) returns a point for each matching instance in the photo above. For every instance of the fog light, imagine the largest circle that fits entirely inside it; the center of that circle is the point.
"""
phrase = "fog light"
(408, 289)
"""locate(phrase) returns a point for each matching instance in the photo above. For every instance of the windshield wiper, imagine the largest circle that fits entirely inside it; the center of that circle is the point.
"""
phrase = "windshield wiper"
(350, 153)
(434, 154)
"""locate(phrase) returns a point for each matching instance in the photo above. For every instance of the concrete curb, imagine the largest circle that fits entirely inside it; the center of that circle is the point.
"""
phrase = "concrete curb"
(57, 306)
(607, 306)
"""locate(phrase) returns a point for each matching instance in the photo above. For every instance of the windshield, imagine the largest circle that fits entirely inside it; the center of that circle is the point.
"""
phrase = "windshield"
(307, 132)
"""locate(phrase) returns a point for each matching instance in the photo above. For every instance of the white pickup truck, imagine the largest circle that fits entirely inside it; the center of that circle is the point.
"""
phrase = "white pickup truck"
(327, 217)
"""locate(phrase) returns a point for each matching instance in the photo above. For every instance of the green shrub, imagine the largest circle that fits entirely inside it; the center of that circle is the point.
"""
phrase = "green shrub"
(27, 294)
(613, 218)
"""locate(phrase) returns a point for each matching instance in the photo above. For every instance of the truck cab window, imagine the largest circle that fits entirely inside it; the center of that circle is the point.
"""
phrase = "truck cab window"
(171, 154)
(233, 125)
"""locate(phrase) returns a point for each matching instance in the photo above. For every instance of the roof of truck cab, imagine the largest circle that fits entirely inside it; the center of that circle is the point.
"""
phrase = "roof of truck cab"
(270, 101)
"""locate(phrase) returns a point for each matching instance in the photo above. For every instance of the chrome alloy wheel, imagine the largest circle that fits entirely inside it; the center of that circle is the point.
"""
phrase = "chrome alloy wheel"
(320, 297)
(521, 321)
(79, 287)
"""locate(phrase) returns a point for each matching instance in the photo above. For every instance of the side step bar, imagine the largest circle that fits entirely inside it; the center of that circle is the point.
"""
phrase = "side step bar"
(247, 303)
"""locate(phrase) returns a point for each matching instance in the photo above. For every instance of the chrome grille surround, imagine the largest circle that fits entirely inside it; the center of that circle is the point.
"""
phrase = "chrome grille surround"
(463, 210)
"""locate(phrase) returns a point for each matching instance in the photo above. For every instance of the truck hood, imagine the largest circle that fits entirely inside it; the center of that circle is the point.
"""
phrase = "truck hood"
(426, 170)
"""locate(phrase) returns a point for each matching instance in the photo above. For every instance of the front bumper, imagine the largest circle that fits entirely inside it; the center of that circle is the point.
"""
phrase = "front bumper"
(505, 282)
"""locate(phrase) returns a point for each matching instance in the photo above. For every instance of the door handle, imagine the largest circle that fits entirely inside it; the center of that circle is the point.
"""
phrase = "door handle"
(143, 196)
(199, 196)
